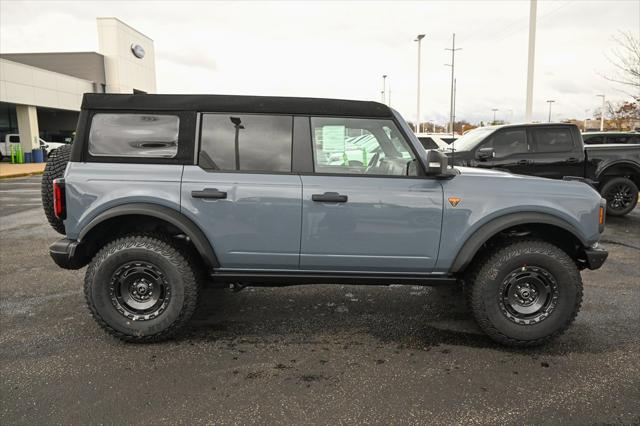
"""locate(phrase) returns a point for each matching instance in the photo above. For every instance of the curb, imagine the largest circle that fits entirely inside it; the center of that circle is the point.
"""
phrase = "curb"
(21, 175)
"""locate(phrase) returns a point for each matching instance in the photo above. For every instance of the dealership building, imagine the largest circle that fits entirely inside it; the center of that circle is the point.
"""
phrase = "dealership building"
(41, 93)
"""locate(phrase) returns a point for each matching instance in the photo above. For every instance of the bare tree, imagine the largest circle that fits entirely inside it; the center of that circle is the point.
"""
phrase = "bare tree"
(626, 59)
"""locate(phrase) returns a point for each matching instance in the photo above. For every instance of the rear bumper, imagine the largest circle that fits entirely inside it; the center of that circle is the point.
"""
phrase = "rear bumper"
(65, 254)
(595, 257)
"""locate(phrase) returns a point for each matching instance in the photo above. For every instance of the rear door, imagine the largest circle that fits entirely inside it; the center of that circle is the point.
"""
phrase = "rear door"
(243, 194)
(556, 153)
(371, 211)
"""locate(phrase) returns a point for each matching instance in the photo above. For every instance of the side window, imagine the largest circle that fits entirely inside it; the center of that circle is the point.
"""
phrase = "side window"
(427, 142)
(245, 142)
(553, 140)
(508, 142)
(594, 140)
(134, 135)
(360, 146)
(14, 139)
(618, 139)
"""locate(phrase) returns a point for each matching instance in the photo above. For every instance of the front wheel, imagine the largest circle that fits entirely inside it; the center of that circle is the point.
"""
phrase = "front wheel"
(525, 293)
(621, 194)
(142, 288)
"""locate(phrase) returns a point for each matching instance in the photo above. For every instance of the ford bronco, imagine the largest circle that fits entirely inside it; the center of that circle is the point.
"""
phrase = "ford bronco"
(161, 194)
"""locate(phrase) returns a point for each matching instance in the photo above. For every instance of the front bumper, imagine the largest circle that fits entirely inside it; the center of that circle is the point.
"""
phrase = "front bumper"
(595, 257)
(65, 254)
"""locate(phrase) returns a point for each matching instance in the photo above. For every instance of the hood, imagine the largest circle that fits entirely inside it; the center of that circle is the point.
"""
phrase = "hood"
(476, 171)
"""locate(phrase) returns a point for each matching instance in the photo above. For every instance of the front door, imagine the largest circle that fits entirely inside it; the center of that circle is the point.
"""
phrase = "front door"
(365, 209)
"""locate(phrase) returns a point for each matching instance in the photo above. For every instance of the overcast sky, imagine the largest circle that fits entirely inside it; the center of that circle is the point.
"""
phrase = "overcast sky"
(341, 50)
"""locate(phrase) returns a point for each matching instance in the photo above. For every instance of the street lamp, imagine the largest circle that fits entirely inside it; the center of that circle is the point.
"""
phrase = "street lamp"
(550, 101)
(419, 38)
(602, 113)
(494, 115)
(384, 88)
(453, 66)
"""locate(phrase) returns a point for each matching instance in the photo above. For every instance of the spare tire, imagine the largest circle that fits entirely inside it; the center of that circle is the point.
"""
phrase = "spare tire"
(54, 169)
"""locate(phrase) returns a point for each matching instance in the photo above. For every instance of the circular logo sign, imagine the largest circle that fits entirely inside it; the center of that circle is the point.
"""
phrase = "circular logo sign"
(137, 50)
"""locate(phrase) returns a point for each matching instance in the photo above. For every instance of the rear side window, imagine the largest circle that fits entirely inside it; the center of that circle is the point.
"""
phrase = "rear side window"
(134, 135)
(245, 142)
(553, 140)
(14, 139)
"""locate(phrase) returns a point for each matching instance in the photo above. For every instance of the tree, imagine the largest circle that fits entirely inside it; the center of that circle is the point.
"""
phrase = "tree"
(626, 59)
(623, 115)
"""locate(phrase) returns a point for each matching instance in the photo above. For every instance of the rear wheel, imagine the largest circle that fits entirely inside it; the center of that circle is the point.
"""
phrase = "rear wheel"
(54, 169)
(525, 293)
(621, 194)
(142, 288)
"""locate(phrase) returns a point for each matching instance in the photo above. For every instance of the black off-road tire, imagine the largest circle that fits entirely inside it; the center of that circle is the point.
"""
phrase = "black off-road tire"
(54, 169)
(178, 269)
(486, 283)
(626, 190)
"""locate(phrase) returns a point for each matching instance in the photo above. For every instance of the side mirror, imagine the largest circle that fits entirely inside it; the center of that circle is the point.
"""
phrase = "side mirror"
(436, 163)
(484, 154)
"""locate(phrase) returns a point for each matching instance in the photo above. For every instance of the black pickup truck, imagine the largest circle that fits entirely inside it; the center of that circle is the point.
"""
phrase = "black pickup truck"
(554, 151)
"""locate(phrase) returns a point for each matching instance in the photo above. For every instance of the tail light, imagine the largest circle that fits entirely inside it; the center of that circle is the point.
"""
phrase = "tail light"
(59, 201)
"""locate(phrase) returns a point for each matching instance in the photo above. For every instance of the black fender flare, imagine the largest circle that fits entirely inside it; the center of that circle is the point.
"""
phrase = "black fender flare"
(616, 163)
(473, 244)
(177, 219)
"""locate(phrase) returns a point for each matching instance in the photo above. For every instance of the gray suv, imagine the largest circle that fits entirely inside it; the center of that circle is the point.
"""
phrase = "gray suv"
(162, 194)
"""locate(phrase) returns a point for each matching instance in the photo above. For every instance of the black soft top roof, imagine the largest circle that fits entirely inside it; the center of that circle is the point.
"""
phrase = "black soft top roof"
(229, 103)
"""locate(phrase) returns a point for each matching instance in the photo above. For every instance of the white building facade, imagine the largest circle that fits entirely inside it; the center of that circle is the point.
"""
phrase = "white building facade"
(41, 93)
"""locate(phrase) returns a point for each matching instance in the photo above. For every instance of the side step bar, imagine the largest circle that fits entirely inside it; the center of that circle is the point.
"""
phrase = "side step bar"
(288, 279)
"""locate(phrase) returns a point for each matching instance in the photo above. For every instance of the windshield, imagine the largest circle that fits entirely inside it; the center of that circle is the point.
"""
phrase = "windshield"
(470, 140)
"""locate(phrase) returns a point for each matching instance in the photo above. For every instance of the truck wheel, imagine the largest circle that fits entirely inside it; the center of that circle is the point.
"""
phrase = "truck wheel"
(525, 293)
(142, 288)
(621, 195)
(53, 170)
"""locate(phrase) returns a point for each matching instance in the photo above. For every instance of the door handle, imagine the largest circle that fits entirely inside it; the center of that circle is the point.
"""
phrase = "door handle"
(523, 162)
(572, 160)
(329, 197)
(212, 193)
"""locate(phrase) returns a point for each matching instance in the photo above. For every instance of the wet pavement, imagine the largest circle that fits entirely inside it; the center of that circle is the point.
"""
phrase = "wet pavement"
(307, 354)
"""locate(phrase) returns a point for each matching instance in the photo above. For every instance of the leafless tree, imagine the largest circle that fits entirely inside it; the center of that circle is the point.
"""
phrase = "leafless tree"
(625, 57)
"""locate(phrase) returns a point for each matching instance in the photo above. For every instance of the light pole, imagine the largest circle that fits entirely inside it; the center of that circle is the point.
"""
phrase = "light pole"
(550, 101)
(494, 115)
(419, 38)
(531, 58)
(452, 65)
(384, 88)
(602, 113)
(586, 114)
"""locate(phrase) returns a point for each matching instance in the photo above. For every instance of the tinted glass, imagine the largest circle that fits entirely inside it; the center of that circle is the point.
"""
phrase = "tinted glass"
(508, 142)
(360, 146)
(618, 139)
(427, 142)
(553, 140)
(14, 139)
(594, 140)
(263, 142)
(134, 135)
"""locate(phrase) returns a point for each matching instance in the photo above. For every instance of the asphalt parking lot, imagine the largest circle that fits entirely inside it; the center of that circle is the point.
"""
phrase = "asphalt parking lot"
(309, 354)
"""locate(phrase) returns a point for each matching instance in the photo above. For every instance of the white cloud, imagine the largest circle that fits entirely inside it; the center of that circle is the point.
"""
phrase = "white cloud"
(338, 49)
